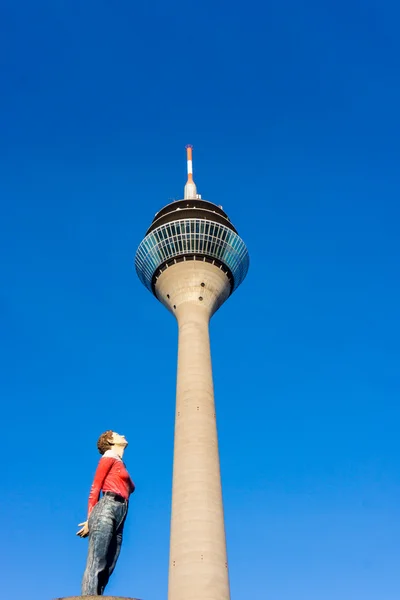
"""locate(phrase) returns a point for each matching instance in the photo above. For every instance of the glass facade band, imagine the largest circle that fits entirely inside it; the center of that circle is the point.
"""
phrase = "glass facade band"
(191, 236)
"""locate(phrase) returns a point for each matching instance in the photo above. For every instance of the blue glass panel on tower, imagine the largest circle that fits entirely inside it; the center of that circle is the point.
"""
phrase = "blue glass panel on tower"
(191, 239)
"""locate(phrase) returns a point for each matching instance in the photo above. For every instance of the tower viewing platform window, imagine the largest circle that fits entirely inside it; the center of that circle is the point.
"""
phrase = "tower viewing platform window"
(191, 238)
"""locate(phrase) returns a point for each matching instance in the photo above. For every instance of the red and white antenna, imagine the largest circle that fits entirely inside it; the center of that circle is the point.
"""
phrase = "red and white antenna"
(190, 187)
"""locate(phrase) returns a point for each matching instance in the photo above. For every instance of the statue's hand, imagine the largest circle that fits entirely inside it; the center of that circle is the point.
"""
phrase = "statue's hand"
(84, 532)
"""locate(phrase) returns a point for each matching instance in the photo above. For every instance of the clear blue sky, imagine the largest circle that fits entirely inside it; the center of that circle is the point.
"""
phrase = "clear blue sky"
(293, 111)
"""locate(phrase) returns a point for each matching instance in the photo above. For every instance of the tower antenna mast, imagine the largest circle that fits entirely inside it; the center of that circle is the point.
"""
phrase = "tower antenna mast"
(190, 187)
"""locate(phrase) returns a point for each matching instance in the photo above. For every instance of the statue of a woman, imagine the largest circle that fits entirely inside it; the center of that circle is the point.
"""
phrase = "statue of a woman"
(106, 516)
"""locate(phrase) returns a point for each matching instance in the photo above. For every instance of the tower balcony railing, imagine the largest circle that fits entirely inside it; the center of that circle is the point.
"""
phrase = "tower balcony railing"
(191, 237)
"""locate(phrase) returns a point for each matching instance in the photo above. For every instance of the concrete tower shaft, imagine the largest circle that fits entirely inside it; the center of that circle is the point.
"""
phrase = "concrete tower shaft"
(198, 567)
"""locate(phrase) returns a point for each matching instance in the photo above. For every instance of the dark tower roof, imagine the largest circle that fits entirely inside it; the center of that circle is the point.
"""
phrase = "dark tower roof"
(191, 209)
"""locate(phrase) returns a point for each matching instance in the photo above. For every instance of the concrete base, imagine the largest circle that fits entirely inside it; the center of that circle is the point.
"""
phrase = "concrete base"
(96, 598)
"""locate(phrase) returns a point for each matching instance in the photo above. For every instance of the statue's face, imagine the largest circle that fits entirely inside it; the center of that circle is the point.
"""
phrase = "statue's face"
(119, 440)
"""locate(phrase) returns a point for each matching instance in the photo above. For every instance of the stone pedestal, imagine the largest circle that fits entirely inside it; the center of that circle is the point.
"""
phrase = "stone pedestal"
(96, 598)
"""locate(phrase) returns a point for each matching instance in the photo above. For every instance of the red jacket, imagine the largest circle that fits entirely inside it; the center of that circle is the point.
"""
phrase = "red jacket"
(111, 476)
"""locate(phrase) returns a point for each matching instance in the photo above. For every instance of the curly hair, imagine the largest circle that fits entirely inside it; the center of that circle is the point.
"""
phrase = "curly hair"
(103, 442)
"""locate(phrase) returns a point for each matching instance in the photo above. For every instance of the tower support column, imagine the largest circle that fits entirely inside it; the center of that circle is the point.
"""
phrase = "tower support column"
(198, 563)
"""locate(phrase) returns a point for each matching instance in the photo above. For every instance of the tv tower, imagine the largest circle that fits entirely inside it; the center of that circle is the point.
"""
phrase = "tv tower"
(192, 259)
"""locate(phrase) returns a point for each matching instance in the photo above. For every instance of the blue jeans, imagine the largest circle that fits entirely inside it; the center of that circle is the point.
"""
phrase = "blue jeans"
(106, 524)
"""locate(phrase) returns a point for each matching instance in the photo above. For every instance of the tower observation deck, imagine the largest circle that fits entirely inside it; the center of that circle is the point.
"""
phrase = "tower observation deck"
(192, 259)
(191, 229)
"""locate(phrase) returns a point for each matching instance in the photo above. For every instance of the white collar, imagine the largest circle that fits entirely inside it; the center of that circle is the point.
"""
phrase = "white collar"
(112, 454)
